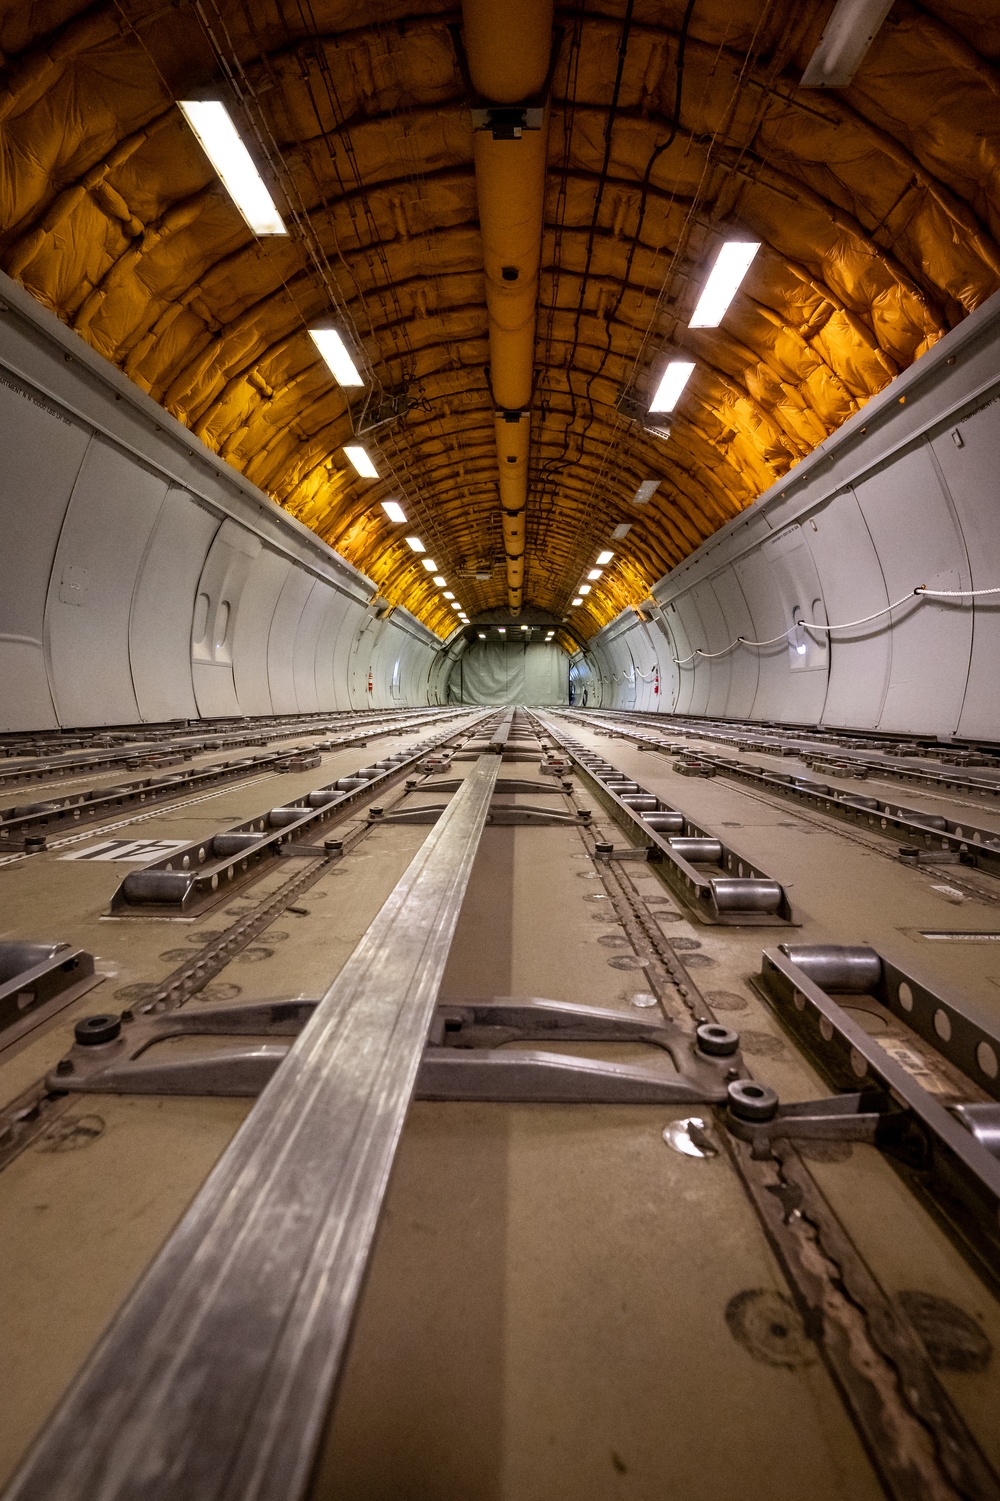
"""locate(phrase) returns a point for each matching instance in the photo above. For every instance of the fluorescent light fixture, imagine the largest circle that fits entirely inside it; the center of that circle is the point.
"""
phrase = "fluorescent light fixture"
(578, 601)
(220, 141)
(415, 544)
(429, 564)
(361, 461)
(448, 594)
(393, 510)
(334, 351)
(585, 588)
(731, 265)
(440, 580)
(455, 605)
(595, 573)
(481, 635)
(502, 629)
(604, 557)
(621, 531)
(672, 383)
(524, 627)
(645, 492)
(850, 31)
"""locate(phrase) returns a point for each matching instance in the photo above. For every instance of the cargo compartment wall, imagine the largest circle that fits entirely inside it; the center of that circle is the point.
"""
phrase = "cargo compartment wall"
(142, 580)
(902, 496)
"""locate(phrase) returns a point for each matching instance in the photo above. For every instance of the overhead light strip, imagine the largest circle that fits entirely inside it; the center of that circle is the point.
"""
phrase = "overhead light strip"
(362, 463)
(852, 27)
(731, 265)
(334, 351)
(221, 143)
(671, 387)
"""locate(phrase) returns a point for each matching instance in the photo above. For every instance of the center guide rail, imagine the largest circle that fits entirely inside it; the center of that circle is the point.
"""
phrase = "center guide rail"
(215, 1378)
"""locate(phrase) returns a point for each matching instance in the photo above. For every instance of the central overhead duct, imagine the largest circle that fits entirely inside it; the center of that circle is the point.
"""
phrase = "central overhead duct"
(508, 50)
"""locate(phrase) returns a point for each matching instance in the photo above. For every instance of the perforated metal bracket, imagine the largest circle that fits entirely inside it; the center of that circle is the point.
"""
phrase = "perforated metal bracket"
(38, 979)
(929, 1076)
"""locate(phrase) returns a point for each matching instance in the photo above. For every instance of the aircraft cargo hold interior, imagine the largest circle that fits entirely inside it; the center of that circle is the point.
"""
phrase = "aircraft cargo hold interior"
(499, 750)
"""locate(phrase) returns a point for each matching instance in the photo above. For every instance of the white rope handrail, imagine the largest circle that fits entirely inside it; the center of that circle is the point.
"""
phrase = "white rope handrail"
(921, 591)
(635, 672)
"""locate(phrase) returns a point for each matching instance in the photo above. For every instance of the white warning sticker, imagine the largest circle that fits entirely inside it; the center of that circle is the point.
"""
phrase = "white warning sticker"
(136, 851)
(917, 1066)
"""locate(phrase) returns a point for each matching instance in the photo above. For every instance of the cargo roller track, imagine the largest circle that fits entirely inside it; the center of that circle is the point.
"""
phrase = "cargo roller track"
(223, 1359)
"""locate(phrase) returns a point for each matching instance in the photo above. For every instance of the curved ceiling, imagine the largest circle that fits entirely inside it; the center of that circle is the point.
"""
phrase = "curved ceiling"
(670, 126)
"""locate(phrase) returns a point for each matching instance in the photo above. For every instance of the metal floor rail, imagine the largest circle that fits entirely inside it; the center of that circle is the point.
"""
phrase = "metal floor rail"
(825, 751)
(215, 1378)
(721, 885)
(929, 836)
(111, 753)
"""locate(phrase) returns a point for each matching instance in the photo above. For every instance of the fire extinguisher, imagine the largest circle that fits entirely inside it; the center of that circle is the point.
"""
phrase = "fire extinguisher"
(371, 682)
(656, 680)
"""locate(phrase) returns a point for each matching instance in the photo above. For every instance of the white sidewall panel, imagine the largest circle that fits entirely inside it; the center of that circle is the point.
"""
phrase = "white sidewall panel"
(744, 673)
(218, 601)
(111, 514)
(42, 454)
(253, 630)
(307, 636)
(163, 608)
(860, 658)
(968, 459)
(918, 541)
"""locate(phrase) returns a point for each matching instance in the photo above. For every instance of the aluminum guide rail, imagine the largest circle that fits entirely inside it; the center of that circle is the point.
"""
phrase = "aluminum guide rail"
(816, 747)
(214, 1380)
(109, 753)
(189, 880)
(54, 814)
(927, 833)
(790, 739)
(741, 894)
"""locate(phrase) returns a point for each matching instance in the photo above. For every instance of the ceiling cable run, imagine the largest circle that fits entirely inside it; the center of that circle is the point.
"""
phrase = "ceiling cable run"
(509, 55)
